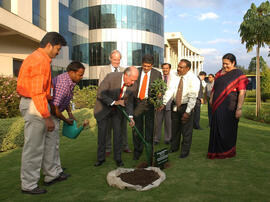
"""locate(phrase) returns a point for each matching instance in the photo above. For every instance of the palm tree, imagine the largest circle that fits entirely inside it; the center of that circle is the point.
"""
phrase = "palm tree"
(255, 30)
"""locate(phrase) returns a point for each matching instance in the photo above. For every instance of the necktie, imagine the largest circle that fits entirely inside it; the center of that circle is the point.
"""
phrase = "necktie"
(165, 78)
(121, 93)
(179, 93)
(143, 87)
(115, 69)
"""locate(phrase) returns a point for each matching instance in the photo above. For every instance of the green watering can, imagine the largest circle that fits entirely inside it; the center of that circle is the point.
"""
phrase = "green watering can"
(71, 131)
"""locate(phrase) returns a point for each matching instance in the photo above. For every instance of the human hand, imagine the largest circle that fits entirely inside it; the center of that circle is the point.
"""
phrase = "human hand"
(69, 121)
(160, 108)
(238, 113)
(132, 123)
(202, 101)
(120, 102)
(49, 124)
(85, 123)
(185, 117)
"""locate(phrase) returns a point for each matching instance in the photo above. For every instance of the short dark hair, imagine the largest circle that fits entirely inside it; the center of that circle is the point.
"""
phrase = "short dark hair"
(75, 66)
(166, 64)
(231, 57)
(211, 75)
(202, 73)
(148, 59)
(188, 63)
(53, 38)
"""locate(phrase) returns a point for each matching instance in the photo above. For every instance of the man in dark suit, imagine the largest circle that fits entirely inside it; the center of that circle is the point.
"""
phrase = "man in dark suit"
(199, 101)
(144, 110)
(116, 89)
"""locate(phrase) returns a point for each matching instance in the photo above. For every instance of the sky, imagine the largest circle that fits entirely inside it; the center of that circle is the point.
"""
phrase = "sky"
(212, 26)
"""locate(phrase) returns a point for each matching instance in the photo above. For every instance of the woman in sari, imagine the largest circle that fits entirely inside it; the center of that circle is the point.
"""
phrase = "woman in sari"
(227, 98)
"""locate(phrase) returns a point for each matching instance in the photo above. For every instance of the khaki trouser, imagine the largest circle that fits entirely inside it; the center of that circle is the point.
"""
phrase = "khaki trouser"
(51, 160)
(36, 147)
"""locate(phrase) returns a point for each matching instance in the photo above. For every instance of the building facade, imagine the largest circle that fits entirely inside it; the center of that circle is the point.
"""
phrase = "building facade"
(135, 28)
(92, 28)
(177, 48)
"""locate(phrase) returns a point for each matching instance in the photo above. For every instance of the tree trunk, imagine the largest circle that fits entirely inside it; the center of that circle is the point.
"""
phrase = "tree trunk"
(258, 83)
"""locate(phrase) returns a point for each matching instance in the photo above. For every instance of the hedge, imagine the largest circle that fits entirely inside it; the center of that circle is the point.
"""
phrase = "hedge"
(11, 129)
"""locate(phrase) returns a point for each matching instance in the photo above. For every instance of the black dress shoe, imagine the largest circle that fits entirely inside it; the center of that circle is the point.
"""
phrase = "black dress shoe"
(167, 142)
(37, 190)
(65, 174)
(172, 151)
(99, 163)
(182, 156)
(58, 179)
(155, 143)
(119, 163)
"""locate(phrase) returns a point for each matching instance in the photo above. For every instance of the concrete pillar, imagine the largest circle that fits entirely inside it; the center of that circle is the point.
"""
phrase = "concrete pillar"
(52, 15)
(22, 9)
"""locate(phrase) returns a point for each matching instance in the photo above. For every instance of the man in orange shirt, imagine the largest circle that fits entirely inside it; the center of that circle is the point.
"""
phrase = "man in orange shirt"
(34, 87)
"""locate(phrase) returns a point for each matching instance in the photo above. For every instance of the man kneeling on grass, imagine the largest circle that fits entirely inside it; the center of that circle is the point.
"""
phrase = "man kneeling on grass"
(62, 94)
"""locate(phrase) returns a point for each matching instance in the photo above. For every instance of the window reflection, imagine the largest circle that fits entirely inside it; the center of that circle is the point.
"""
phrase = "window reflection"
(6, 4)
(122, 16)
(99, 53)
(39, 13)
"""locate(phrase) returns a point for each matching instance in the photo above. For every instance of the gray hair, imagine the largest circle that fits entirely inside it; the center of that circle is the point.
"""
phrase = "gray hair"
(115, 51)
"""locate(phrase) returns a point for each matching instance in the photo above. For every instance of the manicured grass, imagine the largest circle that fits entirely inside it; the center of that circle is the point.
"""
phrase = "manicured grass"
(242, 178)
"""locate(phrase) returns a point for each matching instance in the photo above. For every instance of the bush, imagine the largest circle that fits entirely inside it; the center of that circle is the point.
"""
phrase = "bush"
(9, 99)
(251, 94)
(11, 133)
(264, 117)
(86, 97)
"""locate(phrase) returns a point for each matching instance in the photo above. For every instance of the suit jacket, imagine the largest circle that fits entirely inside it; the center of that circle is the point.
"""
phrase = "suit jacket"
(106, 70)
(109, 91)
(155, 74)
(200, 94)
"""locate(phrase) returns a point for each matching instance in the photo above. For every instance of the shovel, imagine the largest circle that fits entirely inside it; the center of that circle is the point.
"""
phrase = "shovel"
(148, 146)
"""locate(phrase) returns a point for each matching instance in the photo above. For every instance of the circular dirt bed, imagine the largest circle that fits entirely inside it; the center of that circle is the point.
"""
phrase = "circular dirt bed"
(139, 179)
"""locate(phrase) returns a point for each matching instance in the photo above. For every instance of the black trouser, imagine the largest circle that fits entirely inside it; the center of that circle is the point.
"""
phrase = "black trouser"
(116, 118)
(196, 116)
(181, 129)
(144, 121)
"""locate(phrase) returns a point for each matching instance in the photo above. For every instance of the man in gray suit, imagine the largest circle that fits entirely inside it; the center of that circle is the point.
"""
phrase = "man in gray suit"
(164, 114)
(115, 58)
(116, 89)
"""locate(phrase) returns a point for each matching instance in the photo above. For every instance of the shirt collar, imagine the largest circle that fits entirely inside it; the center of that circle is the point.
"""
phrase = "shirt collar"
(44, 54)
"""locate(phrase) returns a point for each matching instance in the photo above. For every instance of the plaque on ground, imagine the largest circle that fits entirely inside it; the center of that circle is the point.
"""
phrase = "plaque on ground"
(161, 157)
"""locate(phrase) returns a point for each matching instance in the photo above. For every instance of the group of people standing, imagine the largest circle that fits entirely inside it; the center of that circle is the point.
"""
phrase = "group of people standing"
(43, 100)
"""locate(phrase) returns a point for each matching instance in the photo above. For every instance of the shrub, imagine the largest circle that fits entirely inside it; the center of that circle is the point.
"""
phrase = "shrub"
(11, 133)
(9, 99)
(85, 97)
(251, 93)
(249, 113)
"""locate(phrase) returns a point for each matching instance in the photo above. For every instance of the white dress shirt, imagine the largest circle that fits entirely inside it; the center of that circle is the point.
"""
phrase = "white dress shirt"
(191, 87)
(113, 68)
(147, 85)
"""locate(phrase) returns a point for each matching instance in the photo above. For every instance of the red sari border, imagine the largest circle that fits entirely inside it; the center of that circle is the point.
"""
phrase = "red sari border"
(227, 154)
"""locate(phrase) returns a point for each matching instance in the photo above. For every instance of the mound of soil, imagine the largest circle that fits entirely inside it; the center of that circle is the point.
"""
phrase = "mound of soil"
(139, 177)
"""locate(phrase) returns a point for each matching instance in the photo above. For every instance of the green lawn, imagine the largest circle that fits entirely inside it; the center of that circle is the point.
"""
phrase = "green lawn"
(243, 178)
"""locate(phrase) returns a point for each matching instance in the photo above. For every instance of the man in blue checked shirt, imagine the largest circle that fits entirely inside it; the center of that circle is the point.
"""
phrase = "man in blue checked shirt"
(63, 86)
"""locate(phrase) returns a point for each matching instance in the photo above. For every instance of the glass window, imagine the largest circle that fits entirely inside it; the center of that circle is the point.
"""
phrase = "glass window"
(6, 4)
(123, 16)
(16, 66)
(39, 13)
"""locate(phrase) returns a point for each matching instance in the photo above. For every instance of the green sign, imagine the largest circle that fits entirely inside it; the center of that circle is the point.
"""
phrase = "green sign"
(161, 157)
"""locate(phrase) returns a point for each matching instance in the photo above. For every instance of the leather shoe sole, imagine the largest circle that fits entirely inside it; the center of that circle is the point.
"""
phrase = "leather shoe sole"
(37, 190)
(99, 163)
(182, 156)
(58, 179)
